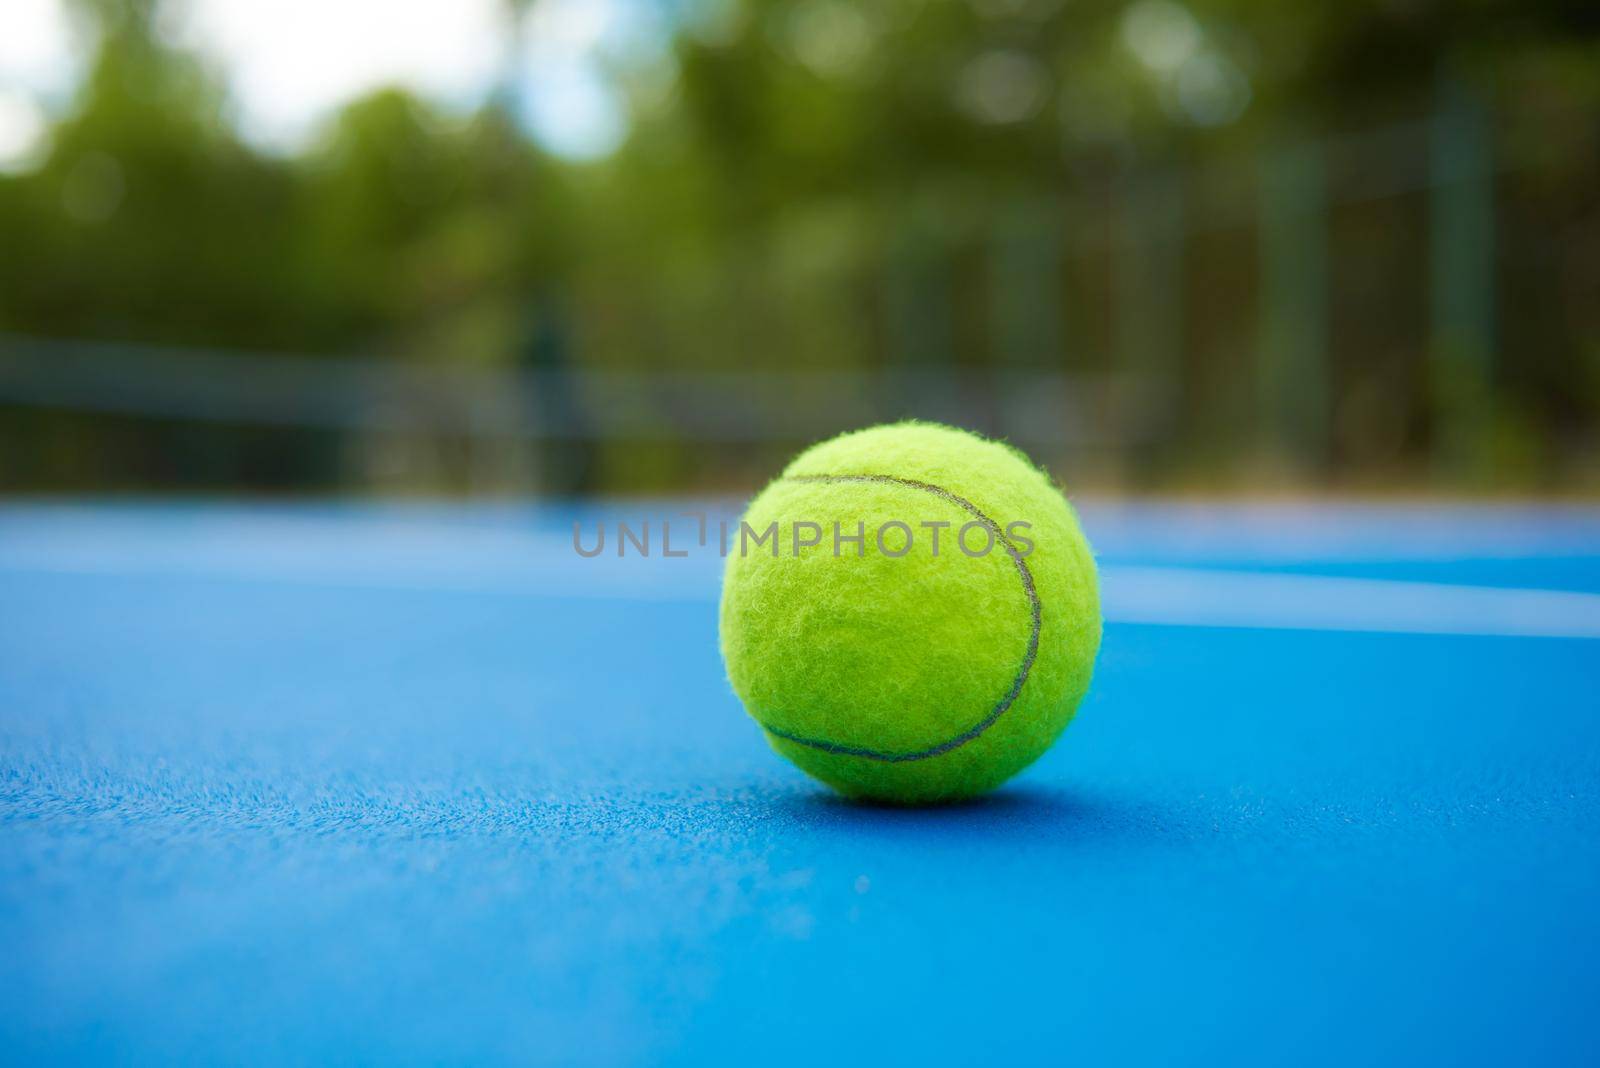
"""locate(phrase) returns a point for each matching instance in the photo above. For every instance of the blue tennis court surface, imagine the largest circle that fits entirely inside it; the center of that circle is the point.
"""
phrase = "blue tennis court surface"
(340, 784)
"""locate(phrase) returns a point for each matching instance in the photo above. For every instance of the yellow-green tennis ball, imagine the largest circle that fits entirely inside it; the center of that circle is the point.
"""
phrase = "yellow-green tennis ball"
(939, 654)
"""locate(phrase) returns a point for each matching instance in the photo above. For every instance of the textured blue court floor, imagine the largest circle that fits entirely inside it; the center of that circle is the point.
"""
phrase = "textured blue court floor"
(347, 784)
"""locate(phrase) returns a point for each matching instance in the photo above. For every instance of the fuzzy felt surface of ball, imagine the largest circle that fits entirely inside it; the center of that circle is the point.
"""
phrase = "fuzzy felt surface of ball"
(910, 612)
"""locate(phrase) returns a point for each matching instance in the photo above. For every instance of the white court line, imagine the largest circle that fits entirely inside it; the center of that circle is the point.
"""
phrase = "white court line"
(1162, 596)
(1277, 601)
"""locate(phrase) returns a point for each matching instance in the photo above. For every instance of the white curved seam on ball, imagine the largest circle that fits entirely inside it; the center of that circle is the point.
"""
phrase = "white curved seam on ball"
(1035, 607)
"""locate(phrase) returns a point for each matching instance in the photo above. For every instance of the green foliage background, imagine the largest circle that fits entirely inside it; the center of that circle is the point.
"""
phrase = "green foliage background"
(786, 203)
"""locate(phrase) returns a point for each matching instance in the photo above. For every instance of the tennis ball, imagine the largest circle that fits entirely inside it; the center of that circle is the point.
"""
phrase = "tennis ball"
(910, 613)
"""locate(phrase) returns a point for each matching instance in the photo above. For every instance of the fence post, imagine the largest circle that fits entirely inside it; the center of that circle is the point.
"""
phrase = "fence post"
(1147, 292)
(919, 294)
(1296, 394)
(1025, 284)
(1461, 276)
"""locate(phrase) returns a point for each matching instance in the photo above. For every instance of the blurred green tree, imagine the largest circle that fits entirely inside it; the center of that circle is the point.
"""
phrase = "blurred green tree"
(1098, 185)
